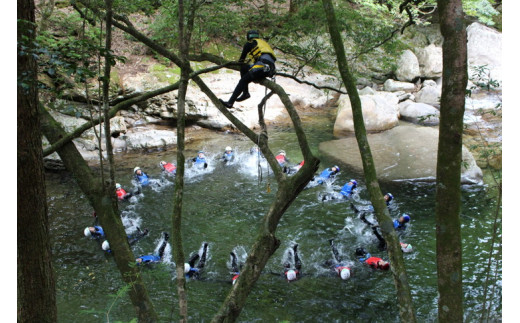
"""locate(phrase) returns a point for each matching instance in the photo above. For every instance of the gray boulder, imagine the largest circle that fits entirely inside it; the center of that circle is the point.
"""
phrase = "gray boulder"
(146, 138)
(484, 48)
(430, 94)
(394, 86)
(430, 61)
(406, 152)
(407, 66)
(419, 113)
(380, 112)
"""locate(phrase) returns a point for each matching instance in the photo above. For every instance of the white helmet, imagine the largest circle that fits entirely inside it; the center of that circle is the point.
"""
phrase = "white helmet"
(136, 169)
(228, 148)
(86, 232)
(291, 275)
(105, 245)
(281, 152)
(187, 267)
(118, 185)
(345, 273)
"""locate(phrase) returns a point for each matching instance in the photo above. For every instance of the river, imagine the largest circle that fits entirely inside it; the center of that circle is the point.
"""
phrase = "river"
(224, 206)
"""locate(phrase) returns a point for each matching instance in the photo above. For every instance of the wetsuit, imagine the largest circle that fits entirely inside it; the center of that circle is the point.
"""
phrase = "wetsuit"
(154, 258)
(261, 59)
(235, 271)
(195, 272)
(297, 265)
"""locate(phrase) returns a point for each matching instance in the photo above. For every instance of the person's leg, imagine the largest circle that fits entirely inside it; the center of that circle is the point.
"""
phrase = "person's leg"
(335, 251)
(202, 261)
(297, 261)
(192, 260)
(234, 264)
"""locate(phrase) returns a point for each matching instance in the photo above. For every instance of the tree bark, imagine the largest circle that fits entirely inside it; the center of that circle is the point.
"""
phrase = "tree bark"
(36, 283)
(108, 217)
(449, 159)
(406, 310)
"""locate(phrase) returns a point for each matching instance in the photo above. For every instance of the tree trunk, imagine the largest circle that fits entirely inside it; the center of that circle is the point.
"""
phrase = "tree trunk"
(108, 217)
(36, 284)
(406, 310)
(449, 158)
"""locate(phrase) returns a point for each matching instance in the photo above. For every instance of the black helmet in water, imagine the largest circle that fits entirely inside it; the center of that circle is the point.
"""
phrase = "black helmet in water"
(252, 34)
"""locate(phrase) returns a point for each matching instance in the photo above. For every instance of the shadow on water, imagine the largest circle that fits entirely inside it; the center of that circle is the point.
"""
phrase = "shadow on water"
(224, 206)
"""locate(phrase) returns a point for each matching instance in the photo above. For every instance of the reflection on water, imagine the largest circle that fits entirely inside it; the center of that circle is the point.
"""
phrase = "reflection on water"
(224, 204)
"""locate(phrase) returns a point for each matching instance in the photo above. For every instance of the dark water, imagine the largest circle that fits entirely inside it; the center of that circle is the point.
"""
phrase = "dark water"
(225, 205)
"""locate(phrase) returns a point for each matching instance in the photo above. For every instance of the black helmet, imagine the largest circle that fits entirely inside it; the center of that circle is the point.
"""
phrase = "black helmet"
(252, 34)
(360, 252)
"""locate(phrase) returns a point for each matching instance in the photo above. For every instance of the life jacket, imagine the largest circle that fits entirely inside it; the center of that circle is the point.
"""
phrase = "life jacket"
(281, 159)
(170, 168)
(150, 258)
(99, 232)
(234, 279)
(398, 225)
(339, 268)
(326, 173)
(262, 47)
(199, 160)
(347, 189)
(229, 156)
(120, 193)
(372, 261)
(143, 179)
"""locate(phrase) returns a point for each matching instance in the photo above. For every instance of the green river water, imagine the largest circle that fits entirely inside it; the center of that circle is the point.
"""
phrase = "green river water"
(224, 206)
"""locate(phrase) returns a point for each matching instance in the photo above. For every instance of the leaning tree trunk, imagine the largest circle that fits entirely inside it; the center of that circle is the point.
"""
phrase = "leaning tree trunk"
(449, 158)
(108, 217)
(36, 284)
(406, 310)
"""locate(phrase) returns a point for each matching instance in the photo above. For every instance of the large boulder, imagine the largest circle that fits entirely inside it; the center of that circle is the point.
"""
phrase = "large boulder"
(380, 112)
(406, 152)
(395, 86)
(149, 138)
(419, 113)
(430, 61)
(430, 93)
(407, 66)
(485, 48)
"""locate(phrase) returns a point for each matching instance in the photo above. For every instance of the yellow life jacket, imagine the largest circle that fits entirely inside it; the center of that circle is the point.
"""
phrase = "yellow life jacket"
(262, 47)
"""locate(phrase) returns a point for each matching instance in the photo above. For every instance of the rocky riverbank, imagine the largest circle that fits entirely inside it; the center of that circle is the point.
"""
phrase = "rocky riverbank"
(394, 110)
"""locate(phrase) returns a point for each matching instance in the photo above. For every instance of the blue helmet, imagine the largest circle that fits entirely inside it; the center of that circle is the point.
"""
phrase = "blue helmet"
(337, 168)
(354, 182)
(406, 218)
(390, 196)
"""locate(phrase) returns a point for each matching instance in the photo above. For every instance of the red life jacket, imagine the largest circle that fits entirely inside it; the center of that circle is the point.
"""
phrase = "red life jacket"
(280, 159)
(235, 278)
(169, 167)
(372, 261)
(120, 193)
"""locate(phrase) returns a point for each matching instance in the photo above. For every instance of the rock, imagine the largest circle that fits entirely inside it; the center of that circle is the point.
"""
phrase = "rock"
(407, 66)
(419, 113)
(394, 86)
(484, 48)
(406, 152)
(429, 94)
(142, 139)
(380, 112)
(430, 61)
(367, 91)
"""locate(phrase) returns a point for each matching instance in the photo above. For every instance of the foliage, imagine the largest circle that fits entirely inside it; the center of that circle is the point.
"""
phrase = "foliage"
(482, 9)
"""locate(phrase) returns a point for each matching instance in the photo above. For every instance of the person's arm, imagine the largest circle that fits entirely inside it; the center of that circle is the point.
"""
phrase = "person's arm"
(248, 46)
